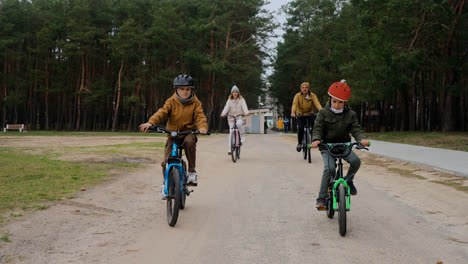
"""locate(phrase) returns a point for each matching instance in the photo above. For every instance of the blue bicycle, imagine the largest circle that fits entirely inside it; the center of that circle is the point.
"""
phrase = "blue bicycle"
(175, 175)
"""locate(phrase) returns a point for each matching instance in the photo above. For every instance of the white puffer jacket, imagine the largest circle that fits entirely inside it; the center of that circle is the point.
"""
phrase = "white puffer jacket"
(235, 107)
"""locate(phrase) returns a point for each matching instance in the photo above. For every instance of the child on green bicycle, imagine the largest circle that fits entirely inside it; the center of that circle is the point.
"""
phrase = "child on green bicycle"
(184, 112)
(334, 123)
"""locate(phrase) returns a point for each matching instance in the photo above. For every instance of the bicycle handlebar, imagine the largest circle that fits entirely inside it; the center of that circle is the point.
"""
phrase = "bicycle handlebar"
(234, 116)
(348, 146)
(174, 134)
(299, 115)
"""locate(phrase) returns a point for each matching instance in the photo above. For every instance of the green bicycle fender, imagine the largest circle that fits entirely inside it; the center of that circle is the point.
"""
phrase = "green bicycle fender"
(335, 186)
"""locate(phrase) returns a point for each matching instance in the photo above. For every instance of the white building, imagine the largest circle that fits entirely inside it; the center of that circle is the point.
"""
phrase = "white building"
(255, 122)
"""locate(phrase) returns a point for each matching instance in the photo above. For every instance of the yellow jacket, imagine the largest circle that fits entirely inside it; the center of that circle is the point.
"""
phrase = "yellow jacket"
(304, 104)
(280, 123)
(181, 117)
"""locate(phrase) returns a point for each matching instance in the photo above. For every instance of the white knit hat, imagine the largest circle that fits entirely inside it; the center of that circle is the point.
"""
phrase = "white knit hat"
(234, 89)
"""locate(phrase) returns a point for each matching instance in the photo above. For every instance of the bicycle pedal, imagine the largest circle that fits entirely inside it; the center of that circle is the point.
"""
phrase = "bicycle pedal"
(192, 184)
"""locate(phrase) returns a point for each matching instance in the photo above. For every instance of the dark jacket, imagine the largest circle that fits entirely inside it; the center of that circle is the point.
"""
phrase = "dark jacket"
(335, 128)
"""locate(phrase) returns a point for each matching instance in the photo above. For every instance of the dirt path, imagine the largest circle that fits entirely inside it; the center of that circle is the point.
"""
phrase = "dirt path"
(259, 210)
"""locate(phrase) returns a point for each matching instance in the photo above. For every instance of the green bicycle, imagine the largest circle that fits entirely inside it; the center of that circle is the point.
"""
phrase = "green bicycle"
(338, 195)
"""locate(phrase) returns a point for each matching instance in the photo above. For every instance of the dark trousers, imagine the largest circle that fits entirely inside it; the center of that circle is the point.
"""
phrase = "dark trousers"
(189, 143)
(329, 169)
(301, 122)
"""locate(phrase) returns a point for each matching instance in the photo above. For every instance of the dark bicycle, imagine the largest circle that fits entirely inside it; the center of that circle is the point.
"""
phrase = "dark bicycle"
(175, 176)
(307, 138)
(338, 194)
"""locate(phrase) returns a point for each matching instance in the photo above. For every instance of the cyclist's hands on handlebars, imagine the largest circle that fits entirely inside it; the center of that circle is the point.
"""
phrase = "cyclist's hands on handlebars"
(144, 127)
(203, 130)
(315, 144)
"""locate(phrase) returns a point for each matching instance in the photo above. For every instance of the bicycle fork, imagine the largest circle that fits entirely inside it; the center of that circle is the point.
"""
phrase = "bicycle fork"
(337, 183)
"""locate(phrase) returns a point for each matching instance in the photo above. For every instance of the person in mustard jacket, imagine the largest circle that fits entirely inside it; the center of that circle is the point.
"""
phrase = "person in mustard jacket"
(280, 124)
(304, 103)
(184, 112)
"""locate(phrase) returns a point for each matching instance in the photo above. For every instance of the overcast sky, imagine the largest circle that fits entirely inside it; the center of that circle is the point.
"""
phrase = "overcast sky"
(274, 6)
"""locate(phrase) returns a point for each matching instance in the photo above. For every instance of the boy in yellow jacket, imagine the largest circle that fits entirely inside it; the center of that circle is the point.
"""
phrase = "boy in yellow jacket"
(184, 112)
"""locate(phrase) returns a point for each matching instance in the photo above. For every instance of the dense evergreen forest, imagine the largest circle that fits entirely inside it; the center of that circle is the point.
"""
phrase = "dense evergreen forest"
(405, 60)
(109, 64)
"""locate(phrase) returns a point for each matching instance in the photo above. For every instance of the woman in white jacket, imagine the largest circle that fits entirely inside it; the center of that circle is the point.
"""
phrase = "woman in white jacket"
(235, 105)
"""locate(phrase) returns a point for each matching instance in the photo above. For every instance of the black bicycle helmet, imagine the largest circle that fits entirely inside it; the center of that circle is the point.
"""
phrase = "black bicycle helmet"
(183, 80)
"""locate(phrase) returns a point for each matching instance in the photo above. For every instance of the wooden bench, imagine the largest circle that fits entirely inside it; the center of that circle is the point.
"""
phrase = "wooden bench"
(19, 127)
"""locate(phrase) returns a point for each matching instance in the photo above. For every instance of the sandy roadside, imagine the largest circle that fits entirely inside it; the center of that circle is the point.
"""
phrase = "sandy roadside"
(103, 222)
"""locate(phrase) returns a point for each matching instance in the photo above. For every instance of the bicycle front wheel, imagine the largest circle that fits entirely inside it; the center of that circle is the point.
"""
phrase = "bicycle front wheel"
(329, 201)
(304, 145)
(342, 209)
(184, 186)
(174, 197)
(233, 146)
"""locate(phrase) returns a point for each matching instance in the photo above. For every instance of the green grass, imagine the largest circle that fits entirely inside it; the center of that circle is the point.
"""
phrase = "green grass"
(455, 185)
(27, 179)
(445, 140)
(5, 237)
(406, 173)
(80, 134)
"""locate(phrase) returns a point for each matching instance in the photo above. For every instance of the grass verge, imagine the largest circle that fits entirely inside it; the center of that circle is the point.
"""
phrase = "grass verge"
(25, 178)
(79, 134)
(453, 184)
(31, 176)
(446, 140)
(406, 173)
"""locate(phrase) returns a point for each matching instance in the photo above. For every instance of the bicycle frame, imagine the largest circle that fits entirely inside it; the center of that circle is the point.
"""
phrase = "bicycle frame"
(235, 139)
(235, 130)
(175, 161)
(337, 180)
(307, 135)
(338, 177)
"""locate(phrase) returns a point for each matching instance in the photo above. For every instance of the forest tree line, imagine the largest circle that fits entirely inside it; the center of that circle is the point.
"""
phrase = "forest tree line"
(110, 64)
(405, 61)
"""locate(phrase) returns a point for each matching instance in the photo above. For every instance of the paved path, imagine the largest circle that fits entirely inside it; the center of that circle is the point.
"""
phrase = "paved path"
(261, 210)
(443, 159)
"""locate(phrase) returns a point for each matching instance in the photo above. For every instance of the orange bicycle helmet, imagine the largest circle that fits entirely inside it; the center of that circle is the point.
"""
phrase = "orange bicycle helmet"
(340, 91)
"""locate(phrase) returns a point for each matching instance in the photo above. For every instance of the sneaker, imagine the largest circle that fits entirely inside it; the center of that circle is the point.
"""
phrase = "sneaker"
(320, 205)
(352, 188)
(192, 178)
(242, 139)
(299, 147)
(163, 195)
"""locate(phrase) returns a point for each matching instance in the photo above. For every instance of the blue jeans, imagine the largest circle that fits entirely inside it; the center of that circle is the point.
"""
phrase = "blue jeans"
(329, 169)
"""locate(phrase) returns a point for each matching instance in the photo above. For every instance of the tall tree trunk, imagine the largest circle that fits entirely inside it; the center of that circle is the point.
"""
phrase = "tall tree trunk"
(421, 104)
(46, 99)
(82, 85)
(412, 104)
(4, 94)
(117, 102)
(211, 80)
